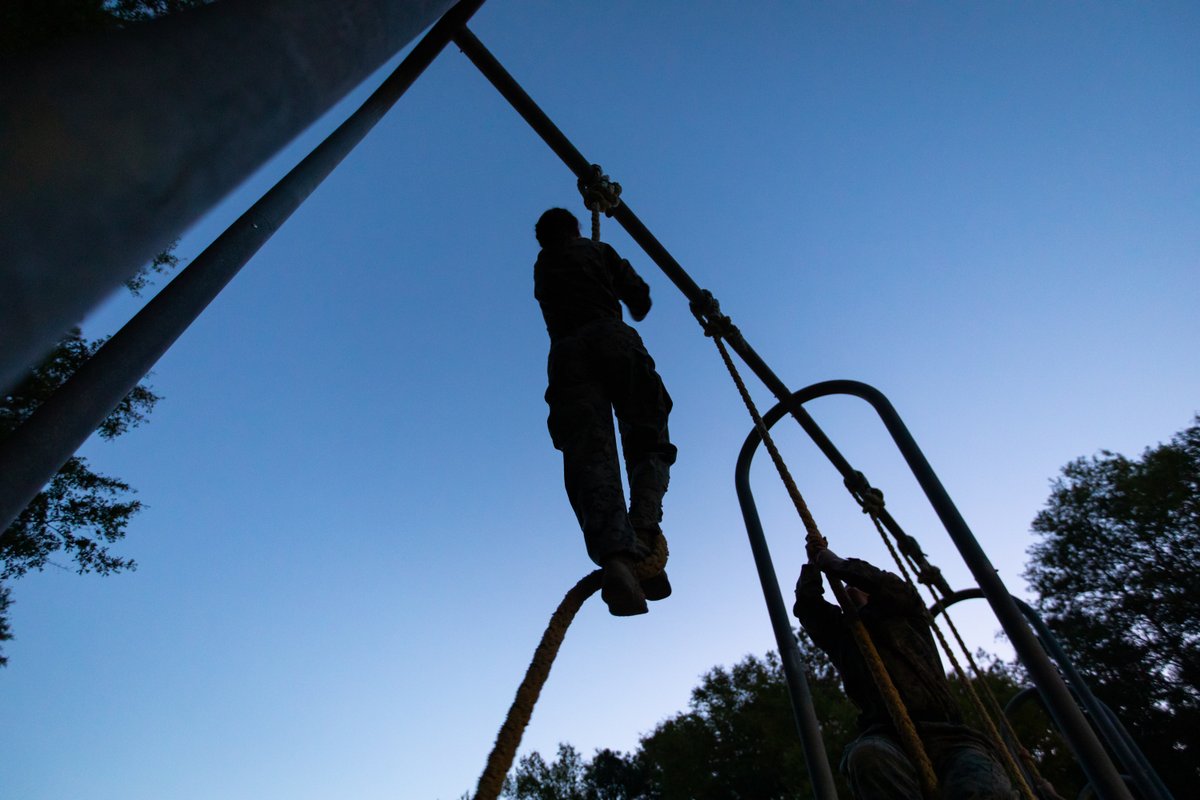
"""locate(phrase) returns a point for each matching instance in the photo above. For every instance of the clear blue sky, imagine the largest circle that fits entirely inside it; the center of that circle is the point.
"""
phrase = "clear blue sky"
(355, 528)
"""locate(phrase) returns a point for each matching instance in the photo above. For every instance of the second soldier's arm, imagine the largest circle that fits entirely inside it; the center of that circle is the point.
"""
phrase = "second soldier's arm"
(889, 592)
(821, 619)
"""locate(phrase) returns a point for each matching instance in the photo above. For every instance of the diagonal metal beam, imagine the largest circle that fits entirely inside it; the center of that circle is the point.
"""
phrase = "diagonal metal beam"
(562, 147)
(575, 161)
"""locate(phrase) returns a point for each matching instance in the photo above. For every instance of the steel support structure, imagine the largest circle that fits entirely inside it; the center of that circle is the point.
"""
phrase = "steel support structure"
(113, 145)
(1073, 725)
(35, 450)
(49, 287)
(1078, 734)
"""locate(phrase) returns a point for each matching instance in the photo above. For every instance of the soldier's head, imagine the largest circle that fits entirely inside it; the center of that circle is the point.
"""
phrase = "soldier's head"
(857, 596)
(556, 226)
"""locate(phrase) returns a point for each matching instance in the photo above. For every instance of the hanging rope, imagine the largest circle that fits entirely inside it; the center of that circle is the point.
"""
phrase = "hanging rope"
(500, 760)
(600, 194)
(509, 738)
(718, 326)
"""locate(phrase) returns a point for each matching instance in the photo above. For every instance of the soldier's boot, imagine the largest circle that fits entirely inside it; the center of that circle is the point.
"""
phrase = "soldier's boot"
(620, 590)
(648, 483)
(658, 586)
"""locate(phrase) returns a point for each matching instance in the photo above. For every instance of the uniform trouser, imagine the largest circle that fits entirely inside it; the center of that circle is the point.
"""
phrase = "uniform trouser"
(601, 369)
(966, 767)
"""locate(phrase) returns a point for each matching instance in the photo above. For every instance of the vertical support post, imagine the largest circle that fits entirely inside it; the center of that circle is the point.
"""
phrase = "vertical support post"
(1115, 736)
(1144, 775)
(789, 651)
(33, 452)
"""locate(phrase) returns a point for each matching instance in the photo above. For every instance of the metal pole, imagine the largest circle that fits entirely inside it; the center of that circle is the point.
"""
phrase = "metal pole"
(1073, 725)
(524, 105)
(1122, 744)
(33, 452)
(789, 651)
(110, 147)
(1118, 739)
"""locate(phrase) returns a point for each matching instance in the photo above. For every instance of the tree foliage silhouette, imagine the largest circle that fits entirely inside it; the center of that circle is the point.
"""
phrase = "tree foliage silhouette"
(738, 740)
(1115, 573)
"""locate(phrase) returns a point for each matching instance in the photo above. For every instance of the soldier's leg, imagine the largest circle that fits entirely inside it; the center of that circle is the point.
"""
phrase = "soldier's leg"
(878, 769)
(642, 405)
(581, 426)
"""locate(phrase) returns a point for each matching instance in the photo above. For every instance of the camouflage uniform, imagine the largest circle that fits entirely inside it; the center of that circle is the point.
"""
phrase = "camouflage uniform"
(875, 763)
(598, 365)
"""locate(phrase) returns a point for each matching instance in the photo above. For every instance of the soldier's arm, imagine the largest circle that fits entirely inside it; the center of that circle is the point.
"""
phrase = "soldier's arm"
(888, 591)
(631, 289)
(821, 619)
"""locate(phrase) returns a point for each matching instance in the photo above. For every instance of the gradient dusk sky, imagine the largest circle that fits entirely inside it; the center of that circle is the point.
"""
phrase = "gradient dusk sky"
(355, 527)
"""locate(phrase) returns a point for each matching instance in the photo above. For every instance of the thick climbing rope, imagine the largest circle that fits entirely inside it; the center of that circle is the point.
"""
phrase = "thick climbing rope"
(992, 711)
(719, 327)
(600, 194)
(500, 760)
(507, 740)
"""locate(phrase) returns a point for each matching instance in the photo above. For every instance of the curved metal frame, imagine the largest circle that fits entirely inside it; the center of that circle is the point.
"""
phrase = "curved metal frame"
(1079, 735)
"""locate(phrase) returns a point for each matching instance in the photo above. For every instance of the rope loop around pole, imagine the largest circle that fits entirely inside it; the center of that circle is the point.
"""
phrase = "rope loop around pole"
(707, 311)
(600, 193)
(870, 498)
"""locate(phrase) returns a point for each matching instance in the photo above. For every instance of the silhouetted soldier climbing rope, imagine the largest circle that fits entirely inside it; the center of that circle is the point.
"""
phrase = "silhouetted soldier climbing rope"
(598, 365)
(878, 763)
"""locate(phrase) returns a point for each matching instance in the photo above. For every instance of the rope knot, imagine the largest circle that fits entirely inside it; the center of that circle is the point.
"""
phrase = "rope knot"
(600, 194)
(707, 311)
(870, 498)
(931, 576)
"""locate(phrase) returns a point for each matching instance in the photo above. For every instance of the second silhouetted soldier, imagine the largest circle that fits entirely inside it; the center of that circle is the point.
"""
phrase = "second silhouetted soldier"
(966, 764)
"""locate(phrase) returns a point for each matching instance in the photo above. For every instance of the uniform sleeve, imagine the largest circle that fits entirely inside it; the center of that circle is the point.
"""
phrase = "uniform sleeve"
(821, 619)
(888, 591)
(629, 286)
